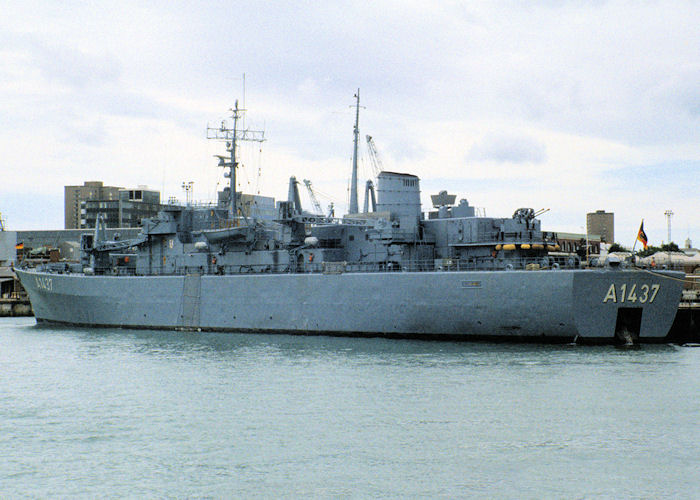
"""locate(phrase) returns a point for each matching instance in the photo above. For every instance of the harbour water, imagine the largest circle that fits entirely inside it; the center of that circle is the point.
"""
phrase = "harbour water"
(120, 413)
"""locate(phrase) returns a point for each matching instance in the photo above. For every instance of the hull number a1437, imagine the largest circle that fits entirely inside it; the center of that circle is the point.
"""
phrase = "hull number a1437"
(44, 283)
(624, 293)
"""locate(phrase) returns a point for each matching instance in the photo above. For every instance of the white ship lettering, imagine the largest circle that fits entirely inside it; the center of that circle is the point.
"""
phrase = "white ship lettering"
(44, 283)
(625, 293)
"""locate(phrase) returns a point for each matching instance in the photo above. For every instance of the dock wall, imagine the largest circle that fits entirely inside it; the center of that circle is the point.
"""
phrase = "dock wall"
(15, 307)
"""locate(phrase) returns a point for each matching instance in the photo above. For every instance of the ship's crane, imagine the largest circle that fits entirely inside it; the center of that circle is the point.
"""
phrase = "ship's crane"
(312, 195)
(374, 156)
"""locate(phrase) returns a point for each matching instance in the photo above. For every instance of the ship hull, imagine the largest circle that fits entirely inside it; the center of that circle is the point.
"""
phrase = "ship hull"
(594, 305)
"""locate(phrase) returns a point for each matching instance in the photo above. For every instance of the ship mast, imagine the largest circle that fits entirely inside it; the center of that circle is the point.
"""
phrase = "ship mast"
(232, 136)
(353, 183)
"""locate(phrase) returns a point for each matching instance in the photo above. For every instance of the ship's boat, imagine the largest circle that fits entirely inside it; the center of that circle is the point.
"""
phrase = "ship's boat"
(392, 271)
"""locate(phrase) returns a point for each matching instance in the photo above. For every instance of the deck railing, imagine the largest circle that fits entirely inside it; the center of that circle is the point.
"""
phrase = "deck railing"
(435, 265)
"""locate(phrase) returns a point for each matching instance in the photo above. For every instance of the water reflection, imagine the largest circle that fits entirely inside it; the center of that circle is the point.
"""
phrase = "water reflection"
(377, 351)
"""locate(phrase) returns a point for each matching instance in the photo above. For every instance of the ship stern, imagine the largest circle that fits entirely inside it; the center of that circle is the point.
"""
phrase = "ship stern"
(625, 306)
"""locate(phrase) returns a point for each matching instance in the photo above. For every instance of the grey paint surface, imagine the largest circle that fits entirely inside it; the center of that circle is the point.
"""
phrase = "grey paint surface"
(8, 253)
(557, 303)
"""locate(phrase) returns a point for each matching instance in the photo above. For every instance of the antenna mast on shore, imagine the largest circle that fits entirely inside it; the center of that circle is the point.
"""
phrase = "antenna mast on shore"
(232, 136)
(668, 214)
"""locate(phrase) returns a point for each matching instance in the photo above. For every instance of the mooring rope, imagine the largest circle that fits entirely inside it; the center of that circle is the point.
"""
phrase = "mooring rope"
(656, 273)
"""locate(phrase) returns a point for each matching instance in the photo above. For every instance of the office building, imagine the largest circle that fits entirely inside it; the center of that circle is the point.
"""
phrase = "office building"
(126, 211)
(74, 196)
(601, 223)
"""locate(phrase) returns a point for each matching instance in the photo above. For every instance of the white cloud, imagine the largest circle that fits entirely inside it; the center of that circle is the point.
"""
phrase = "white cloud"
(552, 104)
(508, 148)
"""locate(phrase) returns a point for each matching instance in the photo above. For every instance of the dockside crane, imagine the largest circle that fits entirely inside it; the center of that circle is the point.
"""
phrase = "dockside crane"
(317, 206)
(374, 156)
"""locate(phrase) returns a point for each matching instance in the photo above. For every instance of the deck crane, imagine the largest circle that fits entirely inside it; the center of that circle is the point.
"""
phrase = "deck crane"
(374, 156)
(312, 195)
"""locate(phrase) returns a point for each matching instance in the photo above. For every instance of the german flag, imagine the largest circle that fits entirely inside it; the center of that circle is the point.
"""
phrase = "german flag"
(19, 246)
(642, 236)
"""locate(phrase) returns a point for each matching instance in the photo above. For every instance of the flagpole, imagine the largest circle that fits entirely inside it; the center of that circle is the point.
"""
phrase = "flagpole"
(634, 260)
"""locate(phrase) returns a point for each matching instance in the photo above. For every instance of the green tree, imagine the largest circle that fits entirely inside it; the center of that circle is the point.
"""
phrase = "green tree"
(670, 247)
(616, 247)
(650, 250)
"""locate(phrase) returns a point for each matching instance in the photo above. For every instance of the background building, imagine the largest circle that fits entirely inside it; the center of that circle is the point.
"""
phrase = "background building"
(74, 196)
(576, 243)
(127, 210)
(121, 207)
(8, 252)
(601, 223)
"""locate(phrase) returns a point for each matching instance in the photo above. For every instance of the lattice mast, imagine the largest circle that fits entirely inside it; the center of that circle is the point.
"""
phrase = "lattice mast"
(232, 136)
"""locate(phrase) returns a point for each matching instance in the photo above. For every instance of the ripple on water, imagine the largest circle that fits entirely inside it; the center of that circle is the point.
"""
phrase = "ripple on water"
(138, 413)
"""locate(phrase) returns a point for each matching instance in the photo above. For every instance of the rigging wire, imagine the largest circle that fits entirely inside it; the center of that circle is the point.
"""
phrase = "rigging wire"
(257, 181)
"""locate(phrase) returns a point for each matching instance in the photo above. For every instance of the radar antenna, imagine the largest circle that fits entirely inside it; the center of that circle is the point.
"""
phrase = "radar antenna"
(188, 188)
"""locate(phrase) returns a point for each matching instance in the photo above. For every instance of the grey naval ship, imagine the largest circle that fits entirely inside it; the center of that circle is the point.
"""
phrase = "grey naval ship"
(390, 270)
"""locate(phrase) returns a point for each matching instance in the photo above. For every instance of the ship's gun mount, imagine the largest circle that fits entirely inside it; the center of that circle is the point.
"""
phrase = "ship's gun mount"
(528, 214)
(524, 214)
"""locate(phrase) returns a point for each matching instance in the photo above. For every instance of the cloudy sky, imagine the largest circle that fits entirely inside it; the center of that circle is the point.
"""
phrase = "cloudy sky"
(571, 106)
